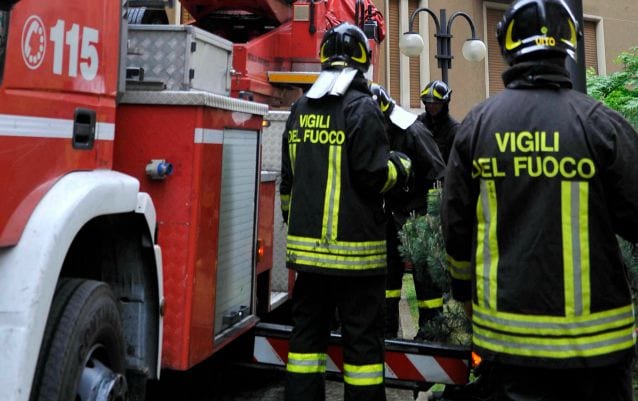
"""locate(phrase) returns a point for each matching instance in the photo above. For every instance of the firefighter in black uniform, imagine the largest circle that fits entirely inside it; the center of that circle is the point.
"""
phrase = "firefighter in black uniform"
(541, 179)
(436, 98)
(408, 136)
(336, 165)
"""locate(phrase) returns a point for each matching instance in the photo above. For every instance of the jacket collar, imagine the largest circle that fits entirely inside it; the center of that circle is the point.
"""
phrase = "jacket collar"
(537, 74)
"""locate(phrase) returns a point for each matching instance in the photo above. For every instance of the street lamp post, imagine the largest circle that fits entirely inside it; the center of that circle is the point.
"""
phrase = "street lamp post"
(411, 43)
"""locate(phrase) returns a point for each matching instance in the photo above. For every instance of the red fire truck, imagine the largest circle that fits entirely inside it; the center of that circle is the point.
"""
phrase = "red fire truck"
(137, 215)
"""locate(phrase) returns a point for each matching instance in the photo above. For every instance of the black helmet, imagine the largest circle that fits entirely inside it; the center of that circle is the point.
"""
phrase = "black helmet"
(436, 91)
(345, 45)
(383, 99)
(532, 29)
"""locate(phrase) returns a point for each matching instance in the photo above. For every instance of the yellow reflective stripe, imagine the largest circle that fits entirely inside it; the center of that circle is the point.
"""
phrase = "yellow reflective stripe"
(583, 225)
(285, 202)
(575, 234)
(572, 37)
(306, 363)
(339, 262)
(510, 44)
(430, 303)
(487, 245)
(515, 323)
(330, 221)
(335, 247)
(322, 57)
(292, 153)
(460, 270)
(393, 293)
(364, 55)
(568, 261)
(363, 375)
(556, 348)
(392, 177)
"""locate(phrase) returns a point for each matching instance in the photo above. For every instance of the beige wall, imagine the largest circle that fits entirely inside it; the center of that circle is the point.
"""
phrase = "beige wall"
(619, 26)
(617, 31)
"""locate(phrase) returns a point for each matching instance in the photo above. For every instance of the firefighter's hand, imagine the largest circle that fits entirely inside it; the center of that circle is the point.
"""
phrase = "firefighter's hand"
(403, 165)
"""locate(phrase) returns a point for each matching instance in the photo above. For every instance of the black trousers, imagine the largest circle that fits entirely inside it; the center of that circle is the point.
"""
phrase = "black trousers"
(609, 383)
(359, 302)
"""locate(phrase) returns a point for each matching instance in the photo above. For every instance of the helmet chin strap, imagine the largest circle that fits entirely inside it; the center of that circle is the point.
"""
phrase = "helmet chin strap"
(332, 82)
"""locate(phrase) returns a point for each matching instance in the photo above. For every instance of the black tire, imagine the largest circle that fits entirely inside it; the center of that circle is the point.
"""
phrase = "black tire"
(83, 346)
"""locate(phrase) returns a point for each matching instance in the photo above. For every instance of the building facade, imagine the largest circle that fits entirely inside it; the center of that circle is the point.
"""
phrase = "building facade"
(610, 27)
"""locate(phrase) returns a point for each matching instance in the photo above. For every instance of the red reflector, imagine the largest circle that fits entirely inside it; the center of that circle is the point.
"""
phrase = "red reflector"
(260, 250)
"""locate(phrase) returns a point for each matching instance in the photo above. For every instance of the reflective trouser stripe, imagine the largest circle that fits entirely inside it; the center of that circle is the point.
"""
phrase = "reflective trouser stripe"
(487, 245)
(430, 303)
(306, 363)
(363, 375)
(389, 294)
(575, 229)
(330, 222)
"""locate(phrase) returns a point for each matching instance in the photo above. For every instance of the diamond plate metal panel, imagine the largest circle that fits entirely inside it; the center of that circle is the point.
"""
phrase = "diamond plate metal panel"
(183, 57)
(271, 160)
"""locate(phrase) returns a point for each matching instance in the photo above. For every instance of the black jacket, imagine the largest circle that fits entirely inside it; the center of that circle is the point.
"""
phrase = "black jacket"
(334, 169)
(540, 180)
(427, 166)
(443, 127)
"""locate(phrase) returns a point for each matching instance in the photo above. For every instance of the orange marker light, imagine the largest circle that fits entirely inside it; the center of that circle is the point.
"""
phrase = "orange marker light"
(260, 250)
(476, 359)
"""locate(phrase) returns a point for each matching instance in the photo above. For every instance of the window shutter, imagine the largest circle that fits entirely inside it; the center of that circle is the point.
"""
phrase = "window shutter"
(591, 48)
(392, 19)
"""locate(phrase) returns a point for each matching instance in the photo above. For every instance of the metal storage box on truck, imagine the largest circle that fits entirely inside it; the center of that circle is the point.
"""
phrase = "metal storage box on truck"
(183, 57)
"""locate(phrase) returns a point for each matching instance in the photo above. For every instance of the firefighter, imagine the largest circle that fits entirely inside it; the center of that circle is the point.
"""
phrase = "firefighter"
(408, 136)
(436, 117)
(336, 165)
(541, 179)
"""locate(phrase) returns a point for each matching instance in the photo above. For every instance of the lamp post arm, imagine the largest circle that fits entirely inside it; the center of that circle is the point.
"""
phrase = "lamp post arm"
(467, 18)
(427, 10)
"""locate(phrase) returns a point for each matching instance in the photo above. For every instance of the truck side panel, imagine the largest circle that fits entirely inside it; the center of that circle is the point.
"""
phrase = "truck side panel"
(208, 253)
(57, 100)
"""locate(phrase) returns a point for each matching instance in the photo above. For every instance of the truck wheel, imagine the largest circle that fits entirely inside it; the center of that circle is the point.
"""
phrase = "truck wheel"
(82, 353)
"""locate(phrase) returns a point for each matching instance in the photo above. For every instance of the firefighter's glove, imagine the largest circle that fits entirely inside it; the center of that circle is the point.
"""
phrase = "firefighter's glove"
(403, 165)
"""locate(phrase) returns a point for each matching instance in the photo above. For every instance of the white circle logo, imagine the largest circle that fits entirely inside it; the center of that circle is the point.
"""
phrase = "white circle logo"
(33, 42)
